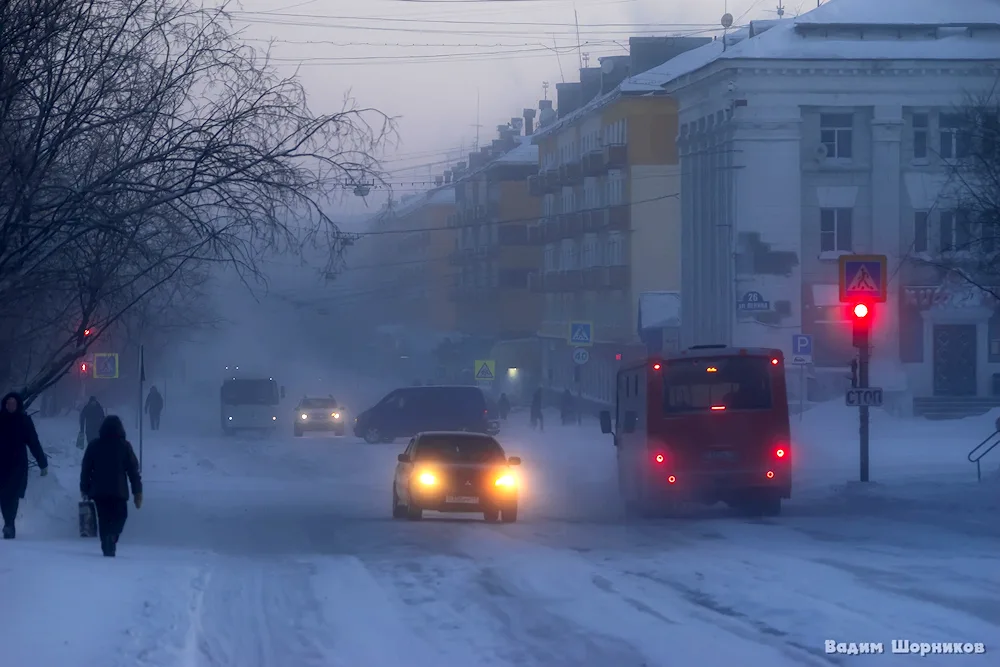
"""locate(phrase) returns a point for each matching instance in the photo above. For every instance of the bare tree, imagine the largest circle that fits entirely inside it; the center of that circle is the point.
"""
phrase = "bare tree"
(970, 204)
(139, 143)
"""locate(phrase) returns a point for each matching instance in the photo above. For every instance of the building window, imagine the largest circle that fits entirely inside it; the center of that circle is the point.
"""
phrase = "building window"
(615, 252)
(836, 134)
(920, 231)
(955, 231)
(911, 332)
(835, 229)
(920, 125)
(993, 333)
(955, 142)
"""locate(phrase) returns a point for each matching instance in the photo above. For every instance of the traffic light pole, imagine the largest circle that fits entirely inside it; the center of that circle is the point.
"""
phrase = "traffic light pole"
(864, 356)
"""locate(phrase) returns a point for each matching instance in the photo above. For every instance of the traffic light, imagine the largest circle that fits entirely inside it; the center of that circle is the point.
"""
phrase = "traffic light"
(861, 316)
(83, 368)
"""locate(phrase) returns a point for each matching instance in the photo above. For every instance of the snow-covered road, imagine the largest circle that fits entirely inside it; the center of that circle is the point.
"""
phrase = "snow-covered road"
(281, 553)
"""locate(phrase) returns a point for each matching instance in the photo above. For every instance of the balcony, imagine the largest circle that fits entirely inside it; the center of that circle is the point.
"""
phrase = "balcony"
(460, 256)
(593, 163)
(570, 174)
(614, 278)
(616, 156)
(572, 281)
(550, 230)
(570, 225)
(535, 186)
(536, 281)
(593, 277)
(550, 181)
(511, 234)
(593, 220)
(618, 218)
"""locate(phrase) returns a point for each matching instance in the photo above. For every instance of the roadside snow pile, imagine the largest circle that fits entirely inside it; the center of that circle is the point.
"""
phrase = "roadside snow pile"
(49, 507)
(826, 439)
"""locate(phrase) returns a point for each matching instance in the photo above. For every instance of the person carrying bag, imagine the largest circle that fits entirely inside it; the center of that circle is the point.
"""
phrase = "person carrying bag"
(109, 468)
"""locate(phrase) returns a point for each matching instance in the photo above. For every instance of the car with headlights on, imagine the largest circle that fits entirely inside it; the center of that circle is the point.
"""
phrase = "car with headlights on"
(319, 414)
(455, 471)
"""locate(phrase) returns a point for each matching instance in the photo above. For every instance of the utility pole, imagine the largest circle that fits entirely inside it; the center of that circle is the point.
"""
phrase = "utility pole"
(477, 124)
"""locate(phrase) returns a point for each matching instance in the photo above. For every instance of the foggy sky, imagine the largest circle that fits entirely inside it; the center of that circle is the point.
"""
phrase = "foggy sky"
(378, 52)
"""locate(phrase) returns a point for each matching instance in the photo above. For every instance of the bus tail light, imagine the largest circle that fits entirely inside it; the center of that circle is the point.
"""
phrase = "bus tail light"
(770, 474)
(659, 458)
(781, 452)
(671, 480)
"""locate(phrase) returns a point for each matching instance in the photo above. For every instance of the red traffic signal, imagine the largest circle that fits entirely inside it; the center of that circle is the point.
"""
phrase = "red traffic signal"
(83, 368)
(860, 311)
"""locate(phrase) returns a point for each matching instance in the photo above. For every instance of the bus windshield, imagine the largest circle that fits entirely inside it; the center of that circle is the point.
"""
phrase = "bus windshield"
(733, 383)
(250, 392)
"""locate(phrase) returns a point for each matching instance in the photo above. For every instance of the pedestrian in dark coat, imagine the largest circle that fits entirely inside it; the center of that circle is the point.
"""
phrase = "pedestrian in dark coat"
(109, 468)
(154, 406)
(537, 418)
(17, 437)
(91, 418)
(503, 406)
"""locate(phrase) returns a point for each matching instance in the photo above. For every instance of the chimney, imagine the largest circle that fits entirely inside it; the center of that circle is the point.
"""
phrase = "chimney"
(447, 176)
(567, 98)
(649, 52)
(529, 121)
(439, 180)
(498, 146)
(614, 70)
(476, 160)
(516, 125)
(458, 170)
(590, 83)
(546, 115)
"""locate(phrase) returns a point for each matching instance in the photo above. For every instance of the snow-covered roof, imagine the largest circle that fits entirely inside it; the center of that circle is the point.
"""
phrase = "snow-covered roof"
(440, 196)
(659, 309)
(904, 12)
(524, 153)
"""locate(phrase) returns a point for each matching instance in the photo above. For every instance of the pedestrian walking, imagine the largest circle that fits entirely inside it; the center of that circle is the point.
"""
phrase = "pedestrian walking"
(17, 437)
(91, 418)
(109, 468)
(154, 406)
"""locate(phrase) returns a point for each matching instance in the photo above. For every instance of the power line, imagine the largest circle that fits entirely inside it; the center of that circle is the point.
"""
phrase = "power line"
(399, 19)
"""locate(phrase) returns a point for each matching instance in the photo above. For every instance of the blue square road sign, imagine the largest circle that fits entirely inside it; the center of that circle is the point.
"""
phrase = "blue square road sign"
(863, 278)
(802, 349)
(581, 334)
(106, 365)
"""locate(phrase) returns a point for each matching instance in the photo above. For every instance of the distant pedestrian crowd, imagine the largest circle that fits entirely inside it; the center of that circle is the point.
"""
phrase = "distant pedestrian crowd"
(108, 472)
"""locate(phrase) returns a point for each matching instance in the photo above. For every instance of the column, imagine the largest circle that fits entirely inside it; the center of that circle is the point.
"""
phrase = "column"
(886, 222)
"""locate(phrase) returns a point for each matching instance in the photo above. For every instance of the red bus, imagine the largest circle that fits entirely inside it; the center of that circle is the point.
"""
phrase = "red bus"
(708, 424)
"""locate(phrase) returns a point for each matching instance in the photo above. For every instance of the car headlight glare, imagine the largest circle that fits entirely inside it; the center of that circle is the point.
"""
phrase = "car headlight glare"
(304, 416)
(335, 415)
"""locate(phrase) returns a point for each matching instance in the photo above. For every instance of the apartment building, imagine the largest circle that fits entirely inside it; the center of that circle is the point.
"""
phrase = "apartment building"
(610, 217)
(794, 154)
(405, 292)
(493, 254)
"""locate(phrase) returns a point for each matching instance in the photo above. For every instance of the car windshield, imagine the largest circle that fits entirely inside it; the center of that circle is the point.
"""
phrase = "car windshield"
(733, 383)
(250, 392)
(318, 403)
(459, 449)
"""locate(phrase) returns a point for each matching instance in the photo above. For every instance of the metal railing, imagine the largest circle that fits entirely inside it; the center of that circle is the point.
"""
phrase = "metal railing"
(981, 450)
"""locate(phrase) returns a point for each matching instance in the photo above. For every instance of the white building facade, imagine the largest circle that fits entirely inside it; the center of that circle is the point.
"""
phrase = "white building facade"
(807, 139)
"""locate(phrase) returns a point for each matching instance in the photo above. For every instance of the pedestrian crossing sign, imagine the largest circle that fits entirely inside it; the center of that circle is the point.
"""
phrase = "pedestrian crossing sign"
(863, 277)
(485, 370)
(581, 334)
(106, 365)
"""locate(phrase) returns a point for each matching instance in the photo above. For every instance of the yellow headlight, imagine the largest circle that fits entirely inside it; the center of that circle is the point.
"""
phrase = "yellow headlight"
(505, 480)
(335, 415)
(427, 479)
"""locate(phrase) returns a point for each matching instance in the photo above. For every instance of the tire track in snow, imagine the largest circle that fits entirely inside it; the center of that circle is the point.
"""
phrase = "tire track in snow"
(255, 612)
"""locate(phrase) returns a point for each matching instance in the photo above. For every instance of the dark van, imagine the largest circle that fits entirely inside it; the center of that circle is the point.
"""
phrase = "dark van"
(405, 412)
(707, 424)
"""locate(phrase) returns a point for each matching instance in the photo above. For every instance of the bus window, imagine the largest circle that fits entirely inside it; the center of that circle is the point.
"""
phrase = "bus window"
(737, 383)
